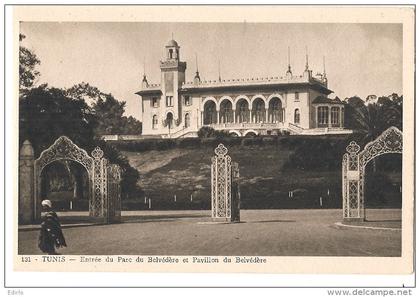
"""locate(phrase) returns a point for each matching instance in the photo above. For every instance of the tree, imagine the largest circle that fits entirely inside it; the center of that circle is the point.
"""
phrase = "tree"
(27, 67)
(374, 118)
(108, 110)
(86, 92)
(47, 113)
(370, 120)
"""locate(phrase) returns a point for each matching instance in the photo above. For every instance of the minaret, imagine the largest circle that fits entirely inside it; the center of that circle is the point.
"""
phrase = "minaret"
(172, 77)
(289, 68)
(197, 79)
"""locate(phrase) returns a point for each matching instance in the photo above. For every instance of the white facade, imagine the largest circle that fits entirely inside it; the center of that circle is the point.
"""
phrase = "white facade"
(298, 104)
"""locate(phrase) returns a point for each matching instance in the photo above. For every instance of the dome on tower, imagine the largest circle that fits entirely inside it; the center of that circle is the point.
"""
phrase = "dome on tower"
(172, 43)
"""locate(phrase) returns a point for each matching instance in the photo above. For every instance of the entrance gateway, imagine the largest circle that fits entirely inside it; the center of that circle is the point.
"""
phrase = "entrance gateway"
(104, 180)
(353, 169)
(225, 195)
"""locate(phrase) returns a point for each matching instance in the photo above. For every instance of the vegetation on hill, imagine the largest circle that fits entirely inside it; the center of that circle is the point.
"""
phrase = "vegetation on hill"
(268, 173)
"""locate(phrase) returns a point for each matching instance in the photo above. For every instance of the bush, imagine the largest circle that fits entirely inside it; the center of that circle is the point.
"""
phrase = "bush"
(206, 132)
(209, 132)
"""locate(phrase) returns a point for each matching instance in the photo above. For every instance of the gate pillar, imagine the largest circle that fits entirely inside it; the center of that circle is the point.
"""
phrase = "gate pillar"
(113, 198)
(96, 204)
(352, 204)
(26, 185)
(225, 197)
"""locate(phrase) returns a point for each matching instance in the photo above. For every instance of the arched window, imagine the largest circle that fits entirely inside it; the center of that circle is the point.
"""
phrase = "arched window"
(226, 112)
(297, 116)
(242, 111)
(154, 122)
(187, 120)
(171, 52)
(169, 120)
(210, 114)
(275, 112)
(258, 111)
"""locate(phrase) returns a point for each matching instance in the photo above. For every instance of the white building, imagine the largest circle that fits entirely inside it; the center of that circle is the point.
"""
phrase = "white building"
(295, 103)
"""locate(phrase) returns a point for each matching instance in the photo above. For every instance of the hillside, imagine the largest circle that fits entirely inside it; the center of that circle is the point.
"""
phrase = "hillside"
(263, 182)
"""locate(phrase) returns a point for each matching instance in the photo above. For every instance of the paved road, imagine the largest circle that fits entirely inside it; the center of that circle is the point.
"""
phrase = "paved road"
(262, 232)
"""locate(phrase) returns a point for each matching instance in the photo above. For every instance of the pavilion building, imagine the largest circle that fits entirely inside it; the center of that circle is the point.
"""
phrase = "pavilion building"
(298, 104)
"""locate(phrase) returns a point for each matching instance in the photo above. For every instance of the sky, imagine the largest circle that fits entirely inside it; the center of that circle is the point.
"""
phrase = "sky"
(360, 59)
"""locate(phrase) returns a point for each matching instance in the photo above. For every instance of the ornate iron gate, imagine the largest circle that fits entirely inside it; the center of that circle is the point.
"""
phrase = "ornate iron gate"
(104, 178)
(225, 195)
(353, 170)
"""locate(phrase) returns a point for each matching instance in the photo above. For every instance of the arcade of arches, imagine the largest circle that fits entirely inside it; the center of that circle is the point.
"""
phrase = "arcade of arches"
(242, 111)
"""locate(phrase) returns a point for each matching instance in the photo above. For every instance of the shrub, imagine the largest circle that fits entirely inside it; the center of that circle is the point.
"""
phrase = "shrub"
(206, 132)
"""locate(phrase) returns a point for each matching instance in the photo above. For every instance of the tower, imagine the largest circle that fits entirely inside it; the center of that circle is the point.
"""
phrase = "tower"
(172, 77)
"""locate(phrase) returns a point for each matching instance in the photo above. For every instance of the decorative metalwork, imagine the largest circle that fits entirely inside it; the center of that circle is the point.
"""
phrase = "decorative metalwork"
(221, 150)
(96, 202)
(114, 192)
(223, 174)
(353, 170)
(97, 153)
(96, 167)
(64, 149)
(353, 148)
(345, 165)
(353, 197)
(390, 141)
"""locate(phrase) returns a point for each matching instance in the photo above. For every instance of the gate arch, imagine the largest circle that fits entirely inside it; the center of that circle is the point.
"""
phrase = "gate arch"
(353, 170)
(102, 176)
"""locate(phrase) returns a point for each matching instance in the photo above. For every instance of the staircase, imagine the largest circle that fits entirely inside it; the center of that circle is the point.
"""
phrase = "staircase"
(295, 129)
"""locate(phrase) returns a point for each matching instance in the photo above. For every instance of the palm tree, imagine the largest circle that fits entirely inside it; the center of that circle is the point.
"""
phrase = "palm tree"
(370, 120)
(374, 118)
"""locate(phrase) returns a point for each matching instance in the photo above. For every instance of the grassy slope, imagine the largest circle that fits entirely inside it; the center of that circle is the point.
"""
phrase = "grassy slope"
(263, 182)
